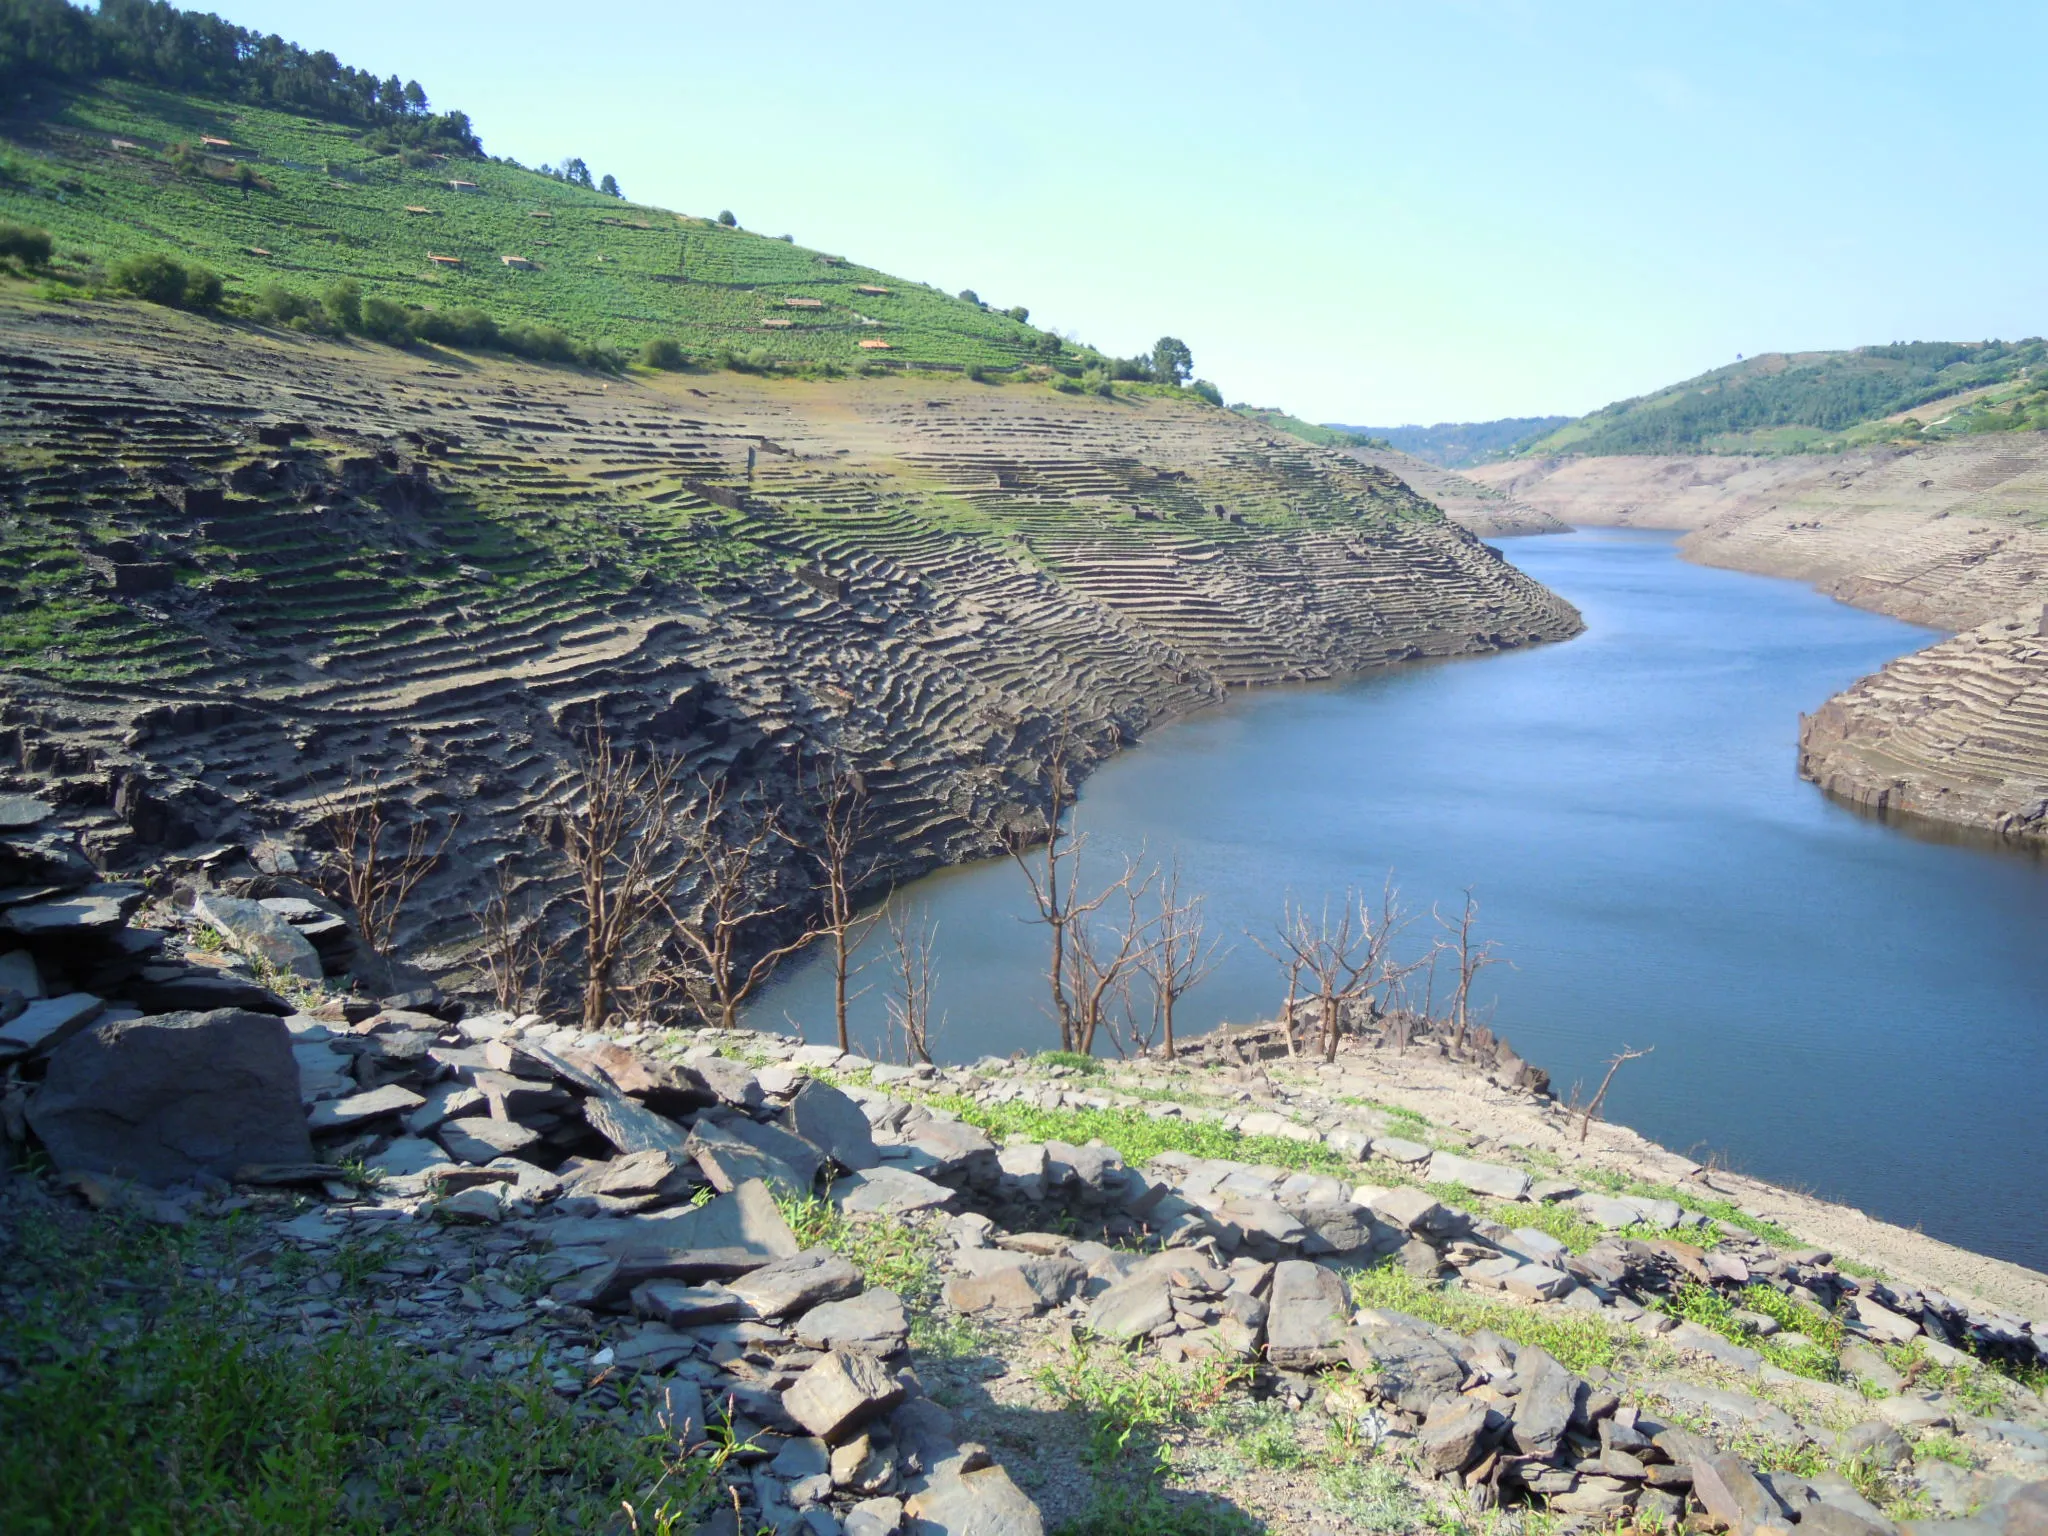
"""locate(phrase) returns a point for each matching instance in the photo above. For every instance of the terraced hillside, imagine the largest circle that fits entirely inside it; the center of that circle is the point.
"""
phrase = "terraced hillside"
(240, 561)
(122, 168)
(1955, 733)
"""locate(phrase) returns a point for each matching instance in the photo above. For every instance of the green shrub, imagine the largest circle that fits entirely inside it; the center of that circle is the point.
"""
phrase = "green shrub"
(278, 305)
(165, 280)
(663, 352)
(725, 217)
(385, 321)
(31, 247)
(1203, 389)
(343, 302)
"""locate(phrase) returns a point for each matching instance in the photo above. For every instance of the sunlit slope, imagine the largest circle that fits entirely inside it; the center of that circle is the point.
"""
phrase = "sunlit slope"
(96, 168)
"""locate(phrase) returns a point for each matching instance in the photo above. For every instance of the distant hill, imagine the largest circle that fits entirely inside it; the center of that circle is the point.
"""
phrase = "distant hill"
(1455, 444)
(142, 129)
(1809, 402)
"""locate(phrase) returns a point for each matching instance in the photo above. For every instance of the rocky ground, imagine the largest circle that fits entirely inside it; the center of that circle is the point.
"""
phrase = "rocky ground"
(1246, 1289)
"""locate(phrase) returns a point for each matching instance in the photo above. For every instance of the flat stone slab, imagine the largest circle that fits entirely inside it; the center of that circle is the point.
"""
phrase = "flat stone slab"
(20, 812)
(1306, 1313)
(67, 917)
(839, 1391)
(1398, 1149)
(632, 1127)
(834, 1124)
(408, 1157)
(889, 1192)
(796, 1284)
(872, 1323)
(984, 1502)
(46, 1024)
(336, 1114)
(479, 1138)
(682, 1305)
(740, 1231)
(1495, 1180)
(252, 929)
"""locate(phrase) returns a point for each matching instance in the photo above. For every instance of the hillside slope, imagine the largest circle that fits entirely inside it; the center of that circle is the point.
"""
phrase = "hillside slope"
(242, 561)
(111, 169)
(1821, 402)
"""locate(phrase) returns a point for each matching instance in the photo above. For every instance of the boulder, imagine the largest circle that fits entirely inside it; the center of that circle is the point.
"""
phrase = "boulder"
(840, 1390)
(1022, 1284)
(1731, 1494)
(731, 1082)
(793, 1152)
(1305, 1316)
(834, 1124)
(728, 1161)
(1547, 1398)
(1132, 1308)
(252, 929)
(161, 1099)
(1412, 1210)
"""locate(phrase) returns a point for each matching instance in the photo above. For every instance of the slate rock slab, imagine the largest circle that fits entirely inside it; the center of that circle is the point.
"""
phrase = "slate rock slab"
(730, 1234)
(1408, 1366)
(798, 1283)
(984, 1502)
(254, 930)
(632, 1127)
(1494, 1179)
(728, 1161)
(839, 1391)
(1454, 1434)
(163, 1098)
(479, 1138)
(1306, 1313)
(872, 1323)
(48, 1023)
(66, 918)
(888, 1192)
(834, 1124)
(1132, 1308)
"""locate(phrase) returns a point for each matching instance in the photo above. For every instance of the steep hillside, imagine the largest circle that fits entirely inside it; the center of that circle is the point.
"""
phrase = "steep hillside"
(241, 562)
(1466, 500)
(1818, 402)
(1460, 444)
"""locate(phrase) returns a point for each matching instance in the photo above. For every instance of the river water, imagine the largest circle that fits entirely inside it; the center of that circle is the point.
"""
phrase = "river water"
(1834, 1003)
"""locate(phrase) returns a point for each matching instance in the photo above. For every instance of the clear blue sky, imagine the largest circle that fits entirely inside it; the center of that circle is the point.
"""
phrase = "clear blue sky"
(1453, 209)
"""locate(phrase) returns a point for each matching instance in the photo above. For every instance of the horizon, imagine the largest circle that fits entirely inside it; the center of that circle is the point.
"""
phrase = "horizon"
(1515, 292)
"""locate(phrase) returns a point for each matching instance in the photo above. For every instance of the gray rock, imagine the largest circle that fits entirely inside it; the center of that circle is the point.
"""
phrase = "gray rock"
(834, 1124)
(407, 1157)
(728, 1161)
(889, 1192)
(1398, 1149)
(872, 1323)
(66, 917)
(731, 1082)
(685, 1306)
(984, 1502)
(18, 974)
(1412, 1210)
(46, 1024)
(874, 1517)
(161, 1099)
(792, 1151)
(1305, 1317)
(1876, 1442)
(1547, 1398)
(1537, 1282)
(1132, 1308)
(253, 930)
(480, 1203)
(1492, 1179)
(1832, 1520)
(1016, 1283)
(1730, 1493)
(632, 1127)
(20, 812)
(1454, 1434)
(839, 1391)
(731, 1234)
(796, 1284)
(637, 1173)
(480, 1138)
(1606, 1211)
(1407, 1365)
(358, 1108)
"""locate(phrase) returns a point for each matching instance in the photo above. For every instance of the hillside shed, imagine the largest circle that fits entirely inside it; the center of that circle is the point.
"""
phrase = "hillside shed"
(521, 263)
(464, 186)
(874, 344)
(416, 208)
(870, 288)
(207, 141)
(444, 261)
(777, 325)
(803, 303)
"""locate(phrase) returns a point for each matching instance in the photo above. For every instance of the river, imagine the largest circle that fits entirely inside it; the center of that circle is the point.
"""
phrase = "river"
(1835, 1004)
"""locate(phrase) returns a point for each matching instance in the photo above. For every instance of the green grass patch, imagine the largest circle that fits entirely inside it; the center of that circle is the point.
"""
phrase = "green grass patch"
(1817, 1360)
(1073, 1061)
(1580, 1342)
(1126, 1396)
(1141, 1136)
(147, 1403)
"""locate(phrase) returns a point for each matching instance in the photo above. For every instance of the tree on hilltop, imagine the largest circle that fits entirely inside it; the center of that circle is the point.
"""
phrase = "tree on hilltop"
(610, 186)
(1172, 362)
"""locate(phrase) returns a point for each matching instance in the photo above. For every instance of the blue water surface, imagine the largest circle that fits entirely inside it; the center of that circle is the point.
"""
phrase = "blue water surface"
(1834, 1003)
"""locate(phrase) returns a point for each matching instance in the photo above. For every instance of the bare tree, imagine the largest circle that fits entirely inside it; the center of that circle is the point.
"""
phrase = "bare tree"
(1178, 959)
(1348, 956)
(1472, 959)
(911, 1027)
(1101, 960)
(1049, 854)
(376, 859)
(841, 804)
(724, 845)
(511, 948)
(617, 830)
(1592, 1110)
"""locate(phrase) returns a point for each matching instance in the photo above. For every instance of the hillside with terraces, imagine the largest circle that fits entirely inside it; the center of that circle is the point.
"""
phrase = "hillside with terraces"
(243, 566)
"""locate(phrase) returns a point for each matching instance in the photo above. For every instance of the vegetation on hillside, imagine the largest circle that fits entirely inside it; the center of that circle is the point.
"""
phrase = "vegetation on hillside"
(1308, 431)
(1812, 401)
(1456, 444)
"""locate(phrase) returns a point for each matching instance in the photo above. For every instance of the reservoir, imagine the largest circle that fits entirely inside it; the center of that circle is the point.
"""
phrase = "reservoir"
(1845, 1006)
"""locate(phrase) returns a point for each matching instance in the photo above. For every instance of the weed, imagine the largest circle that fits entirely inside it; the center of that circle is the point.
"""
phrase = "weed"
(1141, 1135)
(1073, 1061)
(1124, 1397)
(1140, 1507)
(1946, 1448)
(892, 1254)
(1816, 1359)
